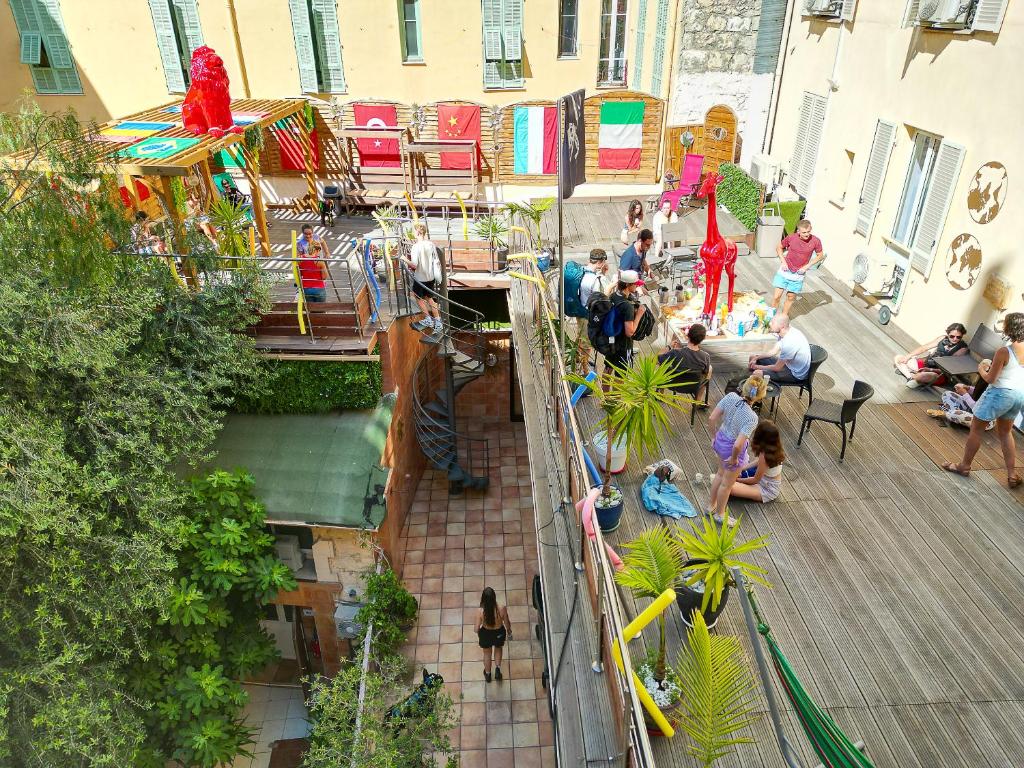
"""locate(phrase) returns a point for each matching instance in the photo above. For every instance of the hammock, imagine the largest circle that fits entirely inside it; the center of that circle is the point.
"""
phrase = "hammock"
(833, 747)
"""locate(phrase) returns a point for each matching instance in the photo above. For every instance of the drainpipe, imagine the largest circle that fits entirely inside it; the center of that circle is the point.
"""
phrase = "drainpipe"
(238, 48)
(780, 68)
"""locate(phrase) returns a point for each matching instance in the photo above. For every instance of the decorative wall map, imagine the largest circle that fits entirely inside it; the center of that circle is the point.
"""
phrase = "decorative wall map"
(963, 263)
(988, 192)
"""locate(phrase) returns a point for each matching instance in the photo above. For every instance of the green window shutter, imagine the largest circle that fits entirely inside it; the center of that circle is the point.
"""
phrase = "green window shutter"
(44, 80)
(31, 47)
(659, 47)
(25, 16)
(302, 32)
(58, 52)
(61, 76)
(328, 39)
(190, 15)
(639, 46)
(409, 30)
(769, 36)
(492, 74)
(165, 41)
(512, 74)
(513, 30)
(493, 15)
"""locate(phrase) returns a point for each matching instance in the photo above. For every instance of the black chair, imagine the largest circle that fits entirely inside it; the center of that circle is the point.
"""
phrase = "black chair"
(689, 387)
(839, 414)
(818, 356)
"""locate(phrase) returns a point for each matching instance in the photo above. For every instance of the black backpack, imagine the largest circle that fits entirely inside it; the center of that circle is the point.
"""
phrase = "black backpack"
(644, 325)
(600, 312)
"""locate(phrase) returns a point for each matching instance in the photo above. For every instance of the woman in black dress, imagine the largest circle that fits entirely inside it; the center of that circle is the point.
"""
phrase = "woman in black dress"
(492, 628)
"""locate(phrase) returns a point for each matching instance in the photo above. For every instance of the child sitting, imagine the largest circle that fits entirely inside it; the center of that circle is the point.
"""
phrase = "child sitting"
(761, 480)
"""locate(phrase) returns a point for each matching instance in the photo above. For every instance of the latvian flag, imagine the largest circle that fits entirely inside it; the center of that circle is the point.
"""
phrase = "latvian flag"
(535, 131)
(621, 135)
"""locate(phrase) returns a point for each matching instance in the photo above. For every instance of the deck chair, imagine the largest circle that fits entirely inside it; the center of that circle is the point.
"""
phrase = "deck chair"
(839, 414)
(689, 179)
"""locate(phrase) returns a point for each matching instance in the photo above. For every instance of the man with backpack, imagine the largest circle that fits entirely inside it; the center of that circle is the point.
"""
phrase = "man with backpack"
(616, 320)
(595, 275)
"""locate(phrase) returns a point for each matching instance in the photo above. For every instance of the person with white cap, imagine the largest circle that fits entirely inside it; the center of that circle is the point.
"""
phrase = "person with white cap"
(627, 313)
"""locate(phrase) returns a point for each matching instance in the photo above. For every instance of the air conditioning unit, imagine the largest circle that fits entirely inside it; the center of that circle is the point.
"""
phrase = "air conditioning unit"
(945, 14)
(764, 170)
(831, 8)
(288, 551)
(345, 620)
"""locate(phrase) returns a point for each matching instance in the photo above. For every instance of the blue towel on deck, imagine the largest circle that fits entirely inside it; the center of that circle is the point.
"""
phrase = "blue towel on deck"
(663, 498)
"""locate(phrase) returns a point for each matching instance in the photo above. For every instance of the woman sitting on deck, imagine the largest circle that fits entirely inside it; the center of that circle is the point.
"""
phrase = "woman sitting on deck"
(761, 480)
(734, 421)
(922, 371)
(634, 222)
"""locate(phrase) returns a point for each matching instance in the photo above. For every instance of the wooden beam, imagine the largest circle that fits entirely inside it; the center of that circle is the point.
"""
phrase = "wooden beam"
(251, 168)
(305, 139)
(211, 188)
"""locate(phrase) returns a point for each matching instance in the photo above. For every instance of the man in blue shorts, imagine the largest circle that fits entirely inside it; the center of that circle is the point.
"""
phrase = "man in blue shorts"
(798, 253)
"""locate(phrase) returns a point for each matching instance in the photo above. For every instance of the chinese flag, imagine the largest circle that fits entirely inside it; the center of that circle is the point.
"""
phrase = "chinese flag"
(292, 156)
(458, 122)
(377, 153)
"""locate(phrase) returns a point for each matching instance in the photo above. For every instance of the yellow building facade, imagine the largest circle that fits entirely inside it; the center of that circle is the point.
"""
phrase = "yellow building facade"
(412, 51)
(904, 137)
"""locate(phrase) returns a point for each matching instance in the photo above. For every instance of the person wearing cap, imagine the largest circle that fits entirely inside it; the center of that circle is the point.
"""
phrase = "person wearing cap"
(595, 275)
(628, 311)
(733, 422)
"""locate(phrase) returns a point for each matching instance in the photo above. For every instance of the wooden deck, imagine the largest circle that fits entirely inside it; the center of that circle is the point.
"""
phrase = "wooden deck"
(898, 588)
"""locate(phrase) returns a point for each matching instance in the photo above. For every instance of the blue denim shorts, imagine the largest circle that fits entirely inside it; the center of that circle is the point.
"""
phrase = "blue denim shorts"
(999, 403)
(793, 282)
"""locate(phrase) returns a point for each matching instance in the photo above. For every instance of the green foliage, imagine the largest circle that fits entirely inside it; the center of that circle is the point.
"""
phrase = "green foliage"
(653, 563)
(718, 693)
(110, 375)
(420, 740)
(297, 386)
(390, 607)
(790, 210)
(208, 634)
(232, 226)
(179, 195)
(718, 548)
(739, 193)
(493, 228)
(253, 140)
(530, 215)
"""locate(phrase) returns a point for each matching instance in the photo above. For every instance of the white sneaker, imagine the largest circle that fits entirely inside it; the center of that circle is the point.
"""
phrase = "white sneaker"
(436, 322)
(913, 384)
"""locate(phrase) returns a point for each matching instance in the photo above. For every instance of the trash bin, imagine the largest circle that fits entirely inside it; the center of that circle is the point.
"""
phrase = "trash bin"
(768, 235)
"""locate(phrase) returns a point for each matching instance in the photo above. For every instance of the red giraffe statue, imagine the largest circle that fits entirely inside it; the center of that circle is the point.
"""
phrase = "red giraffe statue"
(717, 252)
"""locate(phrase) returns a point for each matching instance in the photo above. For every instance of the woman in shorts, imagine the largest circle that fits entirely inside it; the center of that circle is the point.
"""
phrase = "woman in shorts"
(734, 421)
(492, 629)
(919, 365)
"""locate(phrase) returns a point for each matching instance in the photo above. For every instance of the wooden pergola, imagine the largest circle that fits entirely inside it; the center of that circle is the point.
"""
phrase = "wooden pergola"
(116, 147)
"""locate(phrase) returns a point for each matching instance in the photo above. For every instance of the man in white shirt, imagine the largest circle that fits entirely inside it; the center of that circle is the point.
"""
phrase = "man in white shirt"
(595, 276)
(425, 274)
(665, 215)
(790, 359)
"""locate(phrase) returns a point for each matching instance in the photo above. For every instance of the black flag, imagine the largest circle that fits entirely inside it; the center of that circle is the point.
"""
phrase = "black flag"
(572, 167)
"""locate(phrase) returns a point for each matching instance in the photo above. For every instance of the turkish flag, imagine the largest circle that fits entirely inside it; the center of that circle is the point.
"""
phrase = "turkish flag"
(377, 153)
(458, 122)
(290, 150)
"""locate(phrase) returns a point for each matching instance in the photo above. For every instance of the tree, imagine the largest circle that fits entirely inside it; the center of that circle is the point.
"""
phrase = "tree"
(111, 376)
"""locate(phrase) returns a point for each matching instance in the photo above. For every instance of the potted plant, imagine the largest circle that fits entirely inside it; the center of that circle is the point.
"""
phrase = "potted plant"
(653, 563)
(531, 214)
(636, 402)
(718, 699)
(390, 607)
(706, 576)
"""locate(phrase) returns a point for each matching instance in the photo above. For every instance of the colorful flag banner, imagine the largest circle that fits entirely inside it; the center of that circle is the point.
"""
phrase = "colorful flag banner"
(535, 140)
(243, 119)
(118, 138)
(141, 192)
(573, 171)
(230, 160)
(129, 131)
(155, 148)
(620, 136)
(173, 109)
(458, 121)
(382, 152)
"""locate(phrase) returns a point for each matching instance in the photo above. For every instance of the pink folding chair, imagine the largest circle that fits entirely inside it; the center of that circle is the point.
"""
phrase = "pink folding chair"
(689, 178)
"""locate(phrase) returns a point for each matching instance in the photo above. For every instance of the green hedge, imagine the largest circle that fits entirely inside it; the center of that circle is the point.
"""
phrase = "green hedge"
(296, 386)
(739, 193)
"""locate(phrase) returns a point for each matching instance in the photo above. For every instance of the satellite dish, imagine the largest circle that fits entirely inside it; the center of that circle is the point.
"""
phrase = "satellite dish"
(686, 138)
(861, 266)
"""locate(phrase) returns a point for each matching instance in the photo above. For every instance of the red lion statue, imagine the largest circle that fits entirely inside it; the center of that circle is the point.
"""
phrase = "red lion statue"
(207, 105)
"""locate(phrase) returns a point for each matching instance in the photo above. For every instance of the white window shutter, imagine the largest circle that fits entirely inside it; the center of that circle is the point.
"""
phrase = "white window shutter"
(658, 63)
(193, 30)
(874, 176)
(325, 25)
(988, 16)
(31, 48)
(800, 142)
(168, 46)
(303, 35)
(815, 128)
(849, 7)
(493, 17)
(492, 74)
(910, 14)
(513, 30)
(936, 205)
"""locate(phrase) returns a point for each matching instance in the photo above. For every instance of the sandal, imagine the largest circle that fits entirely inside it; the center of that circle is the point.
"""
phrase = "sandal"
(1015, 481)
(949, 466)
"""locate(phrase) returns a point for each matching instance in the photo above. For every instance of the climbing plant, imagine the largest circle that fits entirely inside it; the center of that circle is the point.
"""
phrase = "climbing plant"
(739, 193)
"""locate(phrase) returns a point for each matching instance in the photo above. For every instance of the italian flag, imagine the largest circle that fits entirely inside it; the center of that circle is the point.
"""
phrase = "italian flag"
(621, 135)
(535, 132)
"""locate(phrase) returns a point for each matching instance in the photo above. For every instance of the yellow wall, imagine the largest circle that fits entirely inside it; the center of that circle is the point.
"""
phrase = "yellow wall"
(115, 50)
(964, 88)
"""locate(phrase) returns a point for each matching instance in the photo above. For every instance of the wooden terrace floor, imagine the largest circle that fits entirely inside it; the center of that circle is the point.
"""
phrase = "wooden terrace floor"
(898, 588)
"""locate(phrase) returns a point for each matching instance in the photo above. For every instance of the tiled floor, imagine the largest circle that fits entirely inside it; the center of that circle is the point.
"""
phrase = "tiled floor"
(279, 712)
(455, 546)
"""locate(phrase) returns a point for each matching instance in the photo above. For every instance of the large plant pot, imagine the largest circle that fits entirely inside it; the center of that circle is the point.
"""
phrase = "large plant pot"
(689, 600)
(608, 518)
(618, 452)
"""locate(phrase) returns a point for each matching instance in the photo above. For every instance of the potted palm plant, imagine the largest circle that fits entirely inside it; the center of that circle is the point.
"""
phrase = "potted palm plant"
(718, 700)
(707, 575)
(653, 563)
(531, 214)
(636, 402)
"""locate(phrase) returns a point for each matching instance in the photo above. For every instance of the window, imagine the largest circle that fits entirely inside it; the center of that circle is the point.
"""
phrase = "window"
(503, 43)
(611, 62)
(412, 45)
(927, 193)
(568, 24)
(810, 126)
(178, 33)
(317, 45)
(44, 46)
(967, 17)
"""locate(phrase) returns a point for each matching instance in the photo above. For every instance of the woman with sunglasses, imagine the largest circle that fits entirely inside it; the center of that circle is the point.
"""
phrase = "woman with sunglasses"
(919, 365)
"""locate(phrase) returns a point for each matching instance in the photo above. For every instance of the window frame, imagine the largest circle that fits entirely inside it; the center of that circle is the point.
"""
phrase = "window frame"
(575, 16)
(613, 30)
(48, 80)
(310, 23)
(403, 24)
(922, 191)
(509, 71)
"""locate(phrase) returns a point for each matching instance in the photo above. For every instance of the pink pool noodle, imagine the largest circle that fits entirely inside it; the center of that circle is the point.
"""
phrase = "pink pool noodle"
(586, 507)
